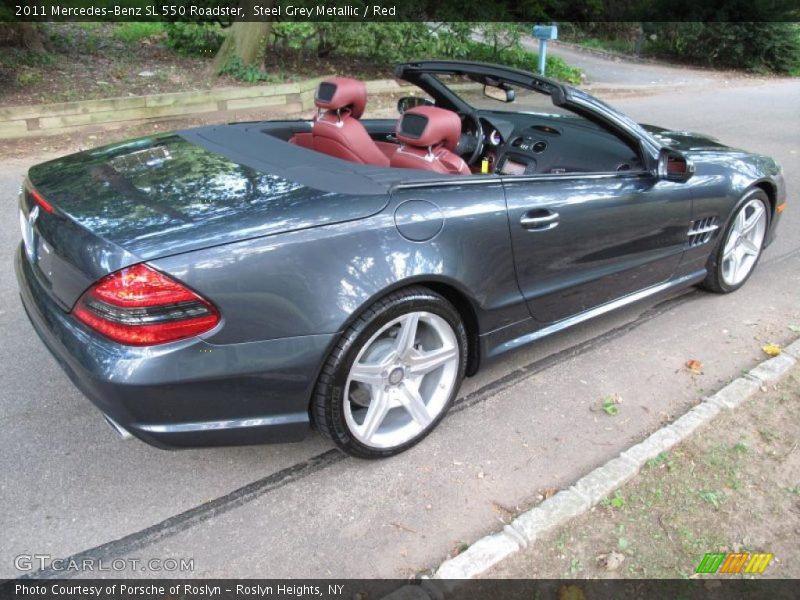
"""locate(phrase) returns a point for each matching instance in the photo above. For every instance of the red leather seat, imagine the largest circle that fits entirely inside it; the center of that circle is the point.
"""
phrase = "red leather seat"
(428, 136)
(336, 130)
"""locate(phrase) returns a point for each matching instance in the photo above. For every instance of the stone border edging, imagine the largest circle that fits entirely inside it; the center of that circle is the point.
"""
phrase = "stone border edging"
(593, 487)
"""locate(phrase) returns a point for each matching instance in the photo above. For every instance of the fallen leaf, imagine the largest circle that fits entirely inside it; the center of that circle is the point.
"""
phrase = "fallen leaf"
(771, 349)
(695, 366)
(549, 492)
(794, 328)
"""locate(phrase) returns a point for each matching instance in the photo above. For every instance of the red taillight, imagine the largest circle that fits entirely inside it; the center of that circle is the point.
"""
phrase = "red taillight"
(46, 206)
(138, 306)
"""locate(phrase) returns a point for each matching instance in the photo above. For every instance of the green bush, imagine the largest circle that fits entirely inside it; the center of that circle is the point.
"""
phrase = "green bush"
(520, 58)
(389, 43)
(760, 47)
(250, 73)
(194, 39)
(132, 32)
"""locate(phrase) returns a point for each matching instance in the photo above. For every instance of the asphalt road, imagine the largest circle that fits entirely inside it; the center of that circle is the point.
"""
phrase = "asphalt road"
(604, 71)
(69, 487)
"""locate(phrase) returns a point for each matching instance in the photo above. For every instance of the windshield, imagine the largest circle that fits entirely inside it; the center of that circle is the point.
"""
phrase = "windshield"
(581, 95)
(525, 100)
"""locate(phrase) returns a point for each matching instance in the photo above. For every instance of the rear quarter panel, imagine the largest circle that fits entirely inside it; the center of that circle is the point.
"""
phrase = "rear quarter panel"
(314, 281)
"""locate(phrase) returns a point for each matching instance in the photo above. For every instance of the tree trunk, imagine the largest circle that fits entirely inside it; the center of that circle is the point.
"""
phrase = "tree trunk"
(245, 40)
(23, 35)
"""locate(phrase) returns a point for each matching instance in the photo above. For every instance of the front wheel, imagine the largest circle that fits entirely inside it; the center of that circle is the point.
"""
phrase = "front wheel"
(393, 375)
(737, 254)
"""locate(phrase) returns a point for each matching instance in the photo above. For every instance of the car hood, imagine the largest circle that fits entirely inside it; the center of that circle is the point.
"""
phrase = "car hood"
(687, 141)
(164, 195)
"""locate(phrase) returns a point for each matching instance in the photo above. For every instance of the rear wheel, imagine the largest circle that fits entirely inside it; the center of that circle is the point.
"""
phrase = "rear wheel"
(393, 375)
(740, 247)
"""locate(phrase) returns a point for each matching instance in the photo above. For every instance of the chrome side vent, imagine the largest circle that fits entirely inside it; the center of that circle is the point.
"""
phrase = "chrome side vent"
(701, 230)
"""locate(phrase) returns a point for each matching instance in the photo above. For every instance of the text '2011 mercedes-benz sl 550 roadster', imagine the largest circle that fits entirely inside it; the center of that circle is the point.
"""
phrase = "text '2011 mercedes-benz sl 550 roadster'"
(235, 284)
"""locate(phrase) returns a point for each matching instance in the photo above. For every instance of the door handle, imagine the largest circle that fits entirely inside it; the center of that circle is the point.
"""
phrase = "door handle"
(539, 220)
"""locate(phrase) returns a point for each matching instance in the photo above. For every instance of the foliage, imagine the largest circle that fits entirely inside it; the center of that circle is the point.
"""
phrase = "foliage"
(14, 58)
(520, 58)
(388, 43)
(29, 77)
(759, 46)
(194, 39)
(250, 73)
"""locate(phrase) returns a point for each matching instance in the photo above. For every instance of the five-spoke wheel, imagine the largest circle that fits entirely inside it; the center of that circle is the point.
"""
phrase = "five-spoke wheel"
(394, 376)
(737, 254)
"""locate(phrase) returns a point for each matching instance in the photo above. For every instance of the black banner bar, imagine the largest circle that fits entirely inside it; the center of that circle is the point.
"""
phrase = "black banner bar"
(226, 11)
(350, 589)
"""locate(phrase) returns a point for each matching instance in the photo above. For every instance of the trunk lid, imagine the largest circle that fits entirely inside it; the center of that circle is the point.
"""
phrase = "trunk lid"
(158, 196)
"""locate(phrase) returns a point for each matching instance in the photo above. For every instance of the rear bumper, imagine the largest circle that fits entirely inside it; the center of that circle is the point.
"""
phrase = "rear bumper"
(186, 393)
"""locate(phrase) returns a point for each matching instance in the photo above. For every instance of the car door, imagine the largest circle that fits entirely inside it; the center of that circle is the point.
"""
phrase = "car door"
(581, 240)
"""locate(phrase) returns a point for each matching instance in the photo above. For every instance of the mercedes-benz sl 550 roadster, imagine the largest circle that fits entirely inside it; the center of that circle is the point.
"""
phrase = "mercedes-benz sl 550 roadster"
(239, 283)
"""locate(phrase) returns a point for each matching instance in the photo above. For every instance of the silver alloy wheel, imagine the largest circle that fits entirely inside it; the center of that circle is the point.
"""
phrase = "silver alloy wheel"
(744, 242)
(401, 380)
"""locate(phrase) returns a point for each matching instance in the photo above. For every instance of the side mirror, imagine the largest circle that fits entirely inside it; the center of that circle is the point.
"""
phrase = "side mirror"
(407, 102)
(503, 94)
(674, 166)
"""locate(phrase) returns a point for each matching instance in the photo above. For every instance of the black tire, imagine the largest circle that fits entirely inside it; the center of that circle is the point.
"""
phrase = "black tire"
(327, 404)
(714, 281)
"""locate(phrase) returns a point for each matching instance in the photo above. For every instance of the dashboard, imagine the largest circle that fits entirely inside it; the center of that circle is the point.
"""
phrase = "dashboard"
(527, 144)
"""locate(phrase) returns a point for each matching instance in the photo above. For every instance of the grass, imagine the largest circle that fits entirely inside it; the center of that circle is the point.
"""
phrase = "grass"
(30, 77)
(133, 32)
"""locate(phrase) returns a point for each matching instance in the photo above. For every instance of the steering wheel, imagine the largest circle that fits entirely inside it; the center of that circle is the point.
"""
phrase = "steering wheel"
(470, 144)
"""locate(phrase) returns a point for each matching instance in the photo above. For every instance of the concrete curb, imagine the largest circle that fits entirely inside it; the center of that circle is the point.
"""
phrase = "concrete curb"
(598, 484)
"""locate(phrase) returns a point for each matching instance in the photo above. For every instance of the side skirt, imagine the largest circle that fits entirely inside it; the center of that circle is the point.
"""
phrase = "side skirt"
(497, 342)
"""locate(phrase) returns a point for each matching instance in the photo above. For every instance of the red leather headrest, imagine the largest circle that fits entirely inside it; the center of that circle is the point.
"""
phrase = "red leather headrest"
(342, 92)
(425, 126)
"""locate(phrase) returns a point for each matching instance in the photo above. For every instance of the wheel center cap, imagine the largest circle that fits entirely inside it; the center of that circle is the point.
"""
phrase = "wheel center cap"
(397, 375)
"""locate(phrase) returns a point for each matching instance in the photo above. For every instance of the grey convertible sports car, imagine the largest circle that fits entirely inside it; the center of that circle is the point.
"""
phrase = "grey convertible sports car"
(236, 283)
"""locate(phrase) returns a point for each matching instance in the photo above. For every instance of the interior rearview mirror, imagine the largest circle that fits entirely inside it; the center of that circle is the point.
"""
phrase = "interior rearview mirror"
(407, 102)
(674, 166)
(502, 94)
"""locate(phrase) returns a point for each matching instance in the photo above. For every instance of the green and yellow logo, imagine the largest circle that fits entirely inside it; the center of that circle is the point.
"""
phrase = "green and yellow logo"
(732, 563)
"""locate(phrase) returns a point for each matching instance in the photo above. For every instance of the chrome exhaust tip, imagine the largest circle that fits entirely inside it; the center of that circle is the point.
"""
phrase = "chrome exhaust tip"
(119, 429)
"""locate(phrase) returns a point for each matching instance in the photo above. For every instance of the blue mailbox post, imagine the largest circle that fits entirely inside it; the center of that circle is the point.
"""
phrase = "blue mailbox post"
(544, 33)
